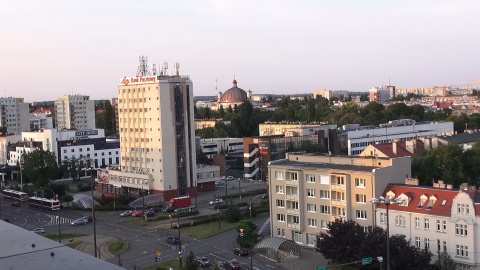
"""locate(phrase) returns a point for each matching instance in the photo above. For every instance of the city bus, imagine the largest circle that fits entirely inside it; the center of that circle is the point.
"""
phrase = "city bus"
(44, 203)
(15, 195)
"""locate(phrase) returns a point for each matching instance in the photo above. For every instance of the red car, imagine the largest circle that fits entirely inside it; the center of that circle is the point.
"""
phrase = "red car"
(137, 214)
(240, 252)
(233, 264)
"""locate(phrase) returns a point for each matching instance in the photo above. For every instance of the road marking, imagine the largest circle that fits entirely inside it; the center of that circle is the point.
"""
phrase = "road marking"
(53, 220)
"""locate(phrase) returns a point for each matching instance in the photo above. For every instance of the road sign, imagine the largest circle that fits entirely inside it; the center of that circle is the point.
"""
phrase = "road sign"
(321, 267)
(184, 246)
(159, 253)
(367, 261)
(241, 230)
(158, 258)
(241, 234)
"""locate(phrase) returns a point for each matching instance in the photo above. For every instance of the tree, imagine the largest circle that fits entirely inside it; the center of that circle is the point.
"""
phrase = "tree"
(190, 262)
(233, 213)
(39, 166)
(68, 199)
(445, 262)
(72, 167)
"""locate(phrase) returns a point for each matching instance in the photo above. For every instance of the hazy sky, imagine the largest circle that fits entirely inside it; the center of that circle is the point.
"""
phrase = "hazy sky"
(53, 48)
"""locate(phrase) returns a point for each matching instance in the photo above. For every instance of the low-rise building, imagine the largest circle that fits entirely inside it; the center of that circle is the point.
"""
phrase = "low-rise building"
(308, 191)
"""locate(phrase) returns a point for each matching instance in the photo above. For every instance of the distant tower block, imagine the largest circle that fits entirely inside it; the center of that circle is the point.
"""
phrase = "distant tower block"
(143, 67)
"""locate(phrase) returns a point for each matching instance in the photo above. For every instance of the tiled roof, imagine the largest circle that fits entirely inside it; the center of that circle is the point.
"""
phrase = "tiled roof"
(441, 207)
(387, 149)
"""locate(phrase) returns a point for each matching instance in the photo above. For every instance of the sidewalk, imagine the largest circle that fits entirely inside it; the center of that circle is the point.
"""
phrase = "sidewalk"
(86, 246)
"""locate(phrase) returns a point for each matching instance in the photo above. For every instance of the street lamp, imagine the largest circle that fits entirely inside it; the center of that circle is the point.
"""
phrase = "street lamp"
(250, 206)
(387, 201)
(58, 217)
(93, 210)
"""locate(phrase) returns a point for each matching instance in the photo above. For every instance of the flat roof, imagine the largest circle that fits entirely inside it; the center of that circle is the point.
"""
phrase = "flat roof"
(321, 166)
(22, 249)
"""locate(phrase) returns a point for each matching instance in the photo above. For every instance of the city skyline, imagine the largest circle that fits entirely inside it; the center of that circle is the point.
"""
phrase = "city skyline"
(55, 48)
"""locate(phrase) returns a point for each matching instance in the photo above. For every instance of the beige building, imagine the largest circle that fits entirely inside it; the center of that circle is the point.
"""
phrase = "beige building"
(291, 129)
(209, 123)
(157, 137)
(438, 218)
(15, 115)
(74, 112)
(328, 94)
(308, 191)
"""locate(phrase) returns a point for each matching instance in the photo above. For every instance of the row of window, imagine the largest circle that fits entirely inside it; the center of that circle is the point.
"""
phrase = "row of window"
(441, 225)
(323, 179)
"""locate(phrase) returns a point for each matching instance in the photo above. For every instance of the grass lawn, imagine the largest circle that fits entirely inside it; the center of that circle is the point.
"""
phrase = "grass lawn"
(174, 264)
(116, 246)
(73, 245)
(64, 236)
(203, 231)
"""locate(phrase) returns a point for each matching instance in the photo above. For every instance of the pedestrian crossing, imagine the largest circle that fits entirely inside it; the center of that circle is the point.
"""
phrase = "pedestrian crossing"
(54, 220)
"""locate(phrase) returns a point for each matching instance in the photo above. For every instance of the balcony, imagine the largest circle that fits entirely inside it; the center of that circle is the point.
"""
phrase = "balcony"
(338, 187)
(342, 218)
(291, 183)
(338, 203)
(292, 197)
(293, 211)
(293, 226)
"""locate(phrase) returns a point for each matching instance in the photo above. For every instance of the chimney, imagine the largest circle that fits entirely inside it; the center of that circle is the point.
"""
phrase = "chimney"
(434, 142)
(394, 147)
(411, 181)
(410, 146)
(449, 186)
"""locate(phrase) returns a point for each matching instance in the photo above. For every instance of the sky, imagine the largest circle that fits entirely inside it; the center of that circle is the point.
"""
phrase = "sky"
(54, 48)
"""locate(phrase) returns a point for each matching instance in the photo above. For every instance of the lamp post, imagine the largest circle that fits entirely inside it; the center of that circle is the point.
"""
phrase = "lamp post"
(387, 201)
(58, 217)
(218, 212)
(250, 206)
(93, 210)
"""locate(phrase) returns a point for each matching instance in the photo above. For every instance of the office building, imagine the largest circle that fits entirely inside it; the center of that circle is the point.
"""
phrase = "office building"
(15, 115)
(74, 112)
(308, 191)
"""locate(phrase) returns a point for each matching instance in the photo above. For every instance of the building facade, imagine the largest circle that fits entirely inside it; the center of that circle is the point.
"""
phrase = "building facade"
(382, 94)
(40, 120)
(157, 137)
(15, 115)
(328, 94)
(439, 218)
(308, 191)
(74, 112)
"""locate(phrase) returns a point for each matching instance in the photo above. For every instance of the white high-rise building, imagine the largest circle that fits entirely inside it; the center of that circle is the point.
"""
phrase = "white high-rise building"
(74, 112)
(15, 115)
(157, 137)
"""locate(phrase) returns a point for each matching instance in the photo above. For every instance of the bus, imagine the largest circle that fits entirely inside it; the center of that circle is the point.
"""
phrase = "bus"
(15, 195)
(44, 203)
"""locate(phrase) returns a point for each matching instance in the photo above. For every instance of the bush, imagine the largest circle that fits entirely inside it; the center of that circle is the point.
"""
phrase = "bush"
(242, 204)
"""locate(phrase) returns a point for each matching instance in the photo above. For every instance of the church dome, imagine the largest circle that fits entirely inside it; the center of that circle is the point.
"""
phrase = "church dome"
(234, 94)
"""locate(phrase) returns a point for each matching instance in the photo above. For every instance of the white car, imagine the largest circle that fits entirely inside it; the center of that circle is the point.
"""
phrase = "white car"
(38, 230)
(127, 213)
(216, 201)
(229, 178)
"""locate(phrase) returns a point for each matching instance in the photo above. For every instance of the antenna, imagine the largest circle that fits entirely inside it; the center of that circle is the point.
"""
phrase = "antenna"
(142, 70)
(165, 67)
(216, 86)
(177, 67)
(154, 70)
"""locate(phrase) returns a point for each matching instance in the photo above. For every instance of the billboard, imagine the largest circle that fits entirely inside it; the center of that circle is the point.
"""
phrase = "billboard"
(103, 176)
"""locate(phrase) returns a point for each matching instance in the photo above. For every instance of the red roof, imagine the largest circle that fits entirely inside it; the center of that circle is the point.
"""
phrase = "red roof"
(441, 207)
(442, 105)
(387, 149)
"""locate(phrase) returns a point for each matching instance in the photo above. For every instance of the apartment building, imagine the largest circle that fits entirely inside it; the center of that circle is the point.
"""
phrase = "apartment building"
(382, 94)
(40, 120)
(300, 129)
(74, 112)
(157, 137)
(308, 191)
(438, 218)
(15, 115)
(328, 94)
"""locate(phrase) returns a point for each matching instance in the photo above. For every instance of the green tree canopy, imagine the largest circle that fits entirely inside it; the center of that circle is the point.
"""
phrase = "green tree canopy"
(39, 167)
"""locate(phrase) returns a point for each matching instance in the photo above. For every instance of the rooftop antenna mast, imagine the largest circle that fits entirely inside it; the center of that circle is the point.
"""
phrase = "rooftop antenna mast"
(177, 67)
(154, 70)
(165, 67)
(216, 86)
(142, 70)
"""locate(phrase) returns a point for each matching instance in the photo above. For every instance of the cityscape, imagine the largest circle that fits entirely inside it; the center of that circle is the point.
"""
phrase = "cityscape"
(214, 161)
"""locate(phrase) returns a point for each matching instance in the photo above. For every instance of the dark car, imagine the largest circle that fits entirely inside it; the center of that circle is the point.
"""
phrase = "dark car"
(240, 252)
(203, 261)
(155, 209)
(16, 204)
(173, 240)
(150, 214)
(233, 264)
(88, 218)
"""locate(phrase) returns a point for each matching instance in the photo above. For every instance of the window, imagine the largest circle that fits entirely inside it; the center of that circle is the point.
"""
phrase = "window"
(312, 222)
(462, 251)
(311, 193)
(417, 242)
(293, 176)
(325, 209)
(340, 180)
(281, 203)
(311, 239)
(444, 226)
(427, 243)
(361, 214)
(281, 217)
(360, 198)
(297, 237)
(463, 209)
(426, 224)
(461, 230)
(383, 218)
(417, 222)
(294, 205)
(311, 207)
(444, 246)
(400, 221)
(279, 189)
(279, 175)
(324, 194)
(296, 219)
(324, 224)
(359, 182)
(439, 226)
(310, 178)
(324, 180)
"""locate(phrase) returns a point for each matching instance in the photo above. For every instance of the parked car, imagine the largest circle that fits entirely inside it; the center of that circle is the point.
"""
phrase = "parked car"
(222, 178)
(173, 240)
(38, 230)
(203, 261)
(216, 201)
(150, 214)
(155, 209)
(16, 204)
(233, 264)
(229, 178)
(240, 252)
(219, 183)
(79, 221)
(137, 214)
(127, 213)
(88, 218)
